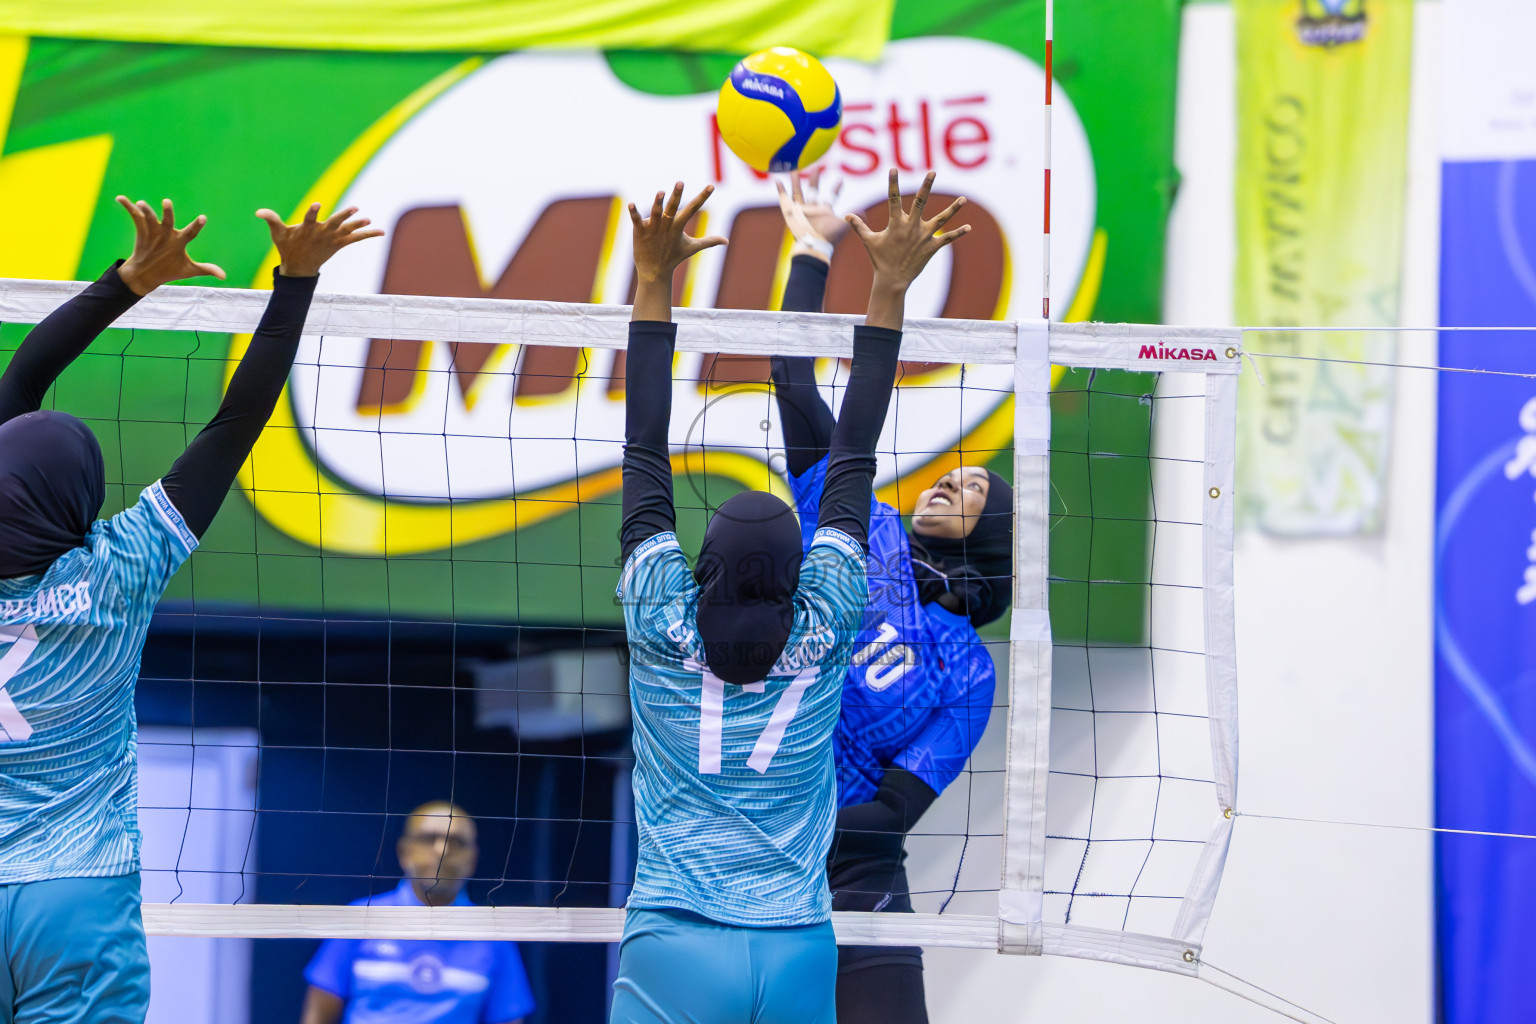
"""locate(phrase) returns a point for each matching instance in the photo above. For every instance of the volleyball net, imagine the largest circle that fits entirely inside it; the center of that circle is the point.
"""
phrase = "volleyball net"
(411, 599)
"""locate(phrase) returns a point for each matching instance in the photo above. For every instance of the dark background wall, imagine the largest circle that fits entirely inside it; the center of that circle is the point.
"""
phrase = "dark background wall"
(360, 721)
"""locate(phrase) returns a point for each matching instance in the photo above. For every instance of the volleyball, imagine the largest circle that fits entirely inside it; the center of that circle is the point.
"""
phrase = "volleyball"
(779, 110)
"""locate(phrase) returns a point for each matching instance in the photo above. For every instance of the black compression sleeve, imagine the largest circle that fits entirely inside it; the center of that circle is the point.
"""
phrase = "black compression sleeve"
(901, 800)
(806, 420)
(648, 508)
(851, 468)
(806, 288)
(201, 477)
(59, 339)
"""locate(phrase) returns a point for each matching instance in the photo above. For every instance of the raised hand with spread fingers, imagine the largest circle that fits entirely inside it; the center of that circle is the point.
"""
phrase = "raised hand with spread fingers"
(809, 215)
(662, 244)
(160, 248)
(304, 247)
(901, 251)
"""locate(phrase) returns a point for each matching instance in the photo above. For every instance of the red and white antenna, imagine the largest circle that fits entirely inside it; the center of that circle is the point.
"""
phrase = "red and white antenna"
(1045, 288)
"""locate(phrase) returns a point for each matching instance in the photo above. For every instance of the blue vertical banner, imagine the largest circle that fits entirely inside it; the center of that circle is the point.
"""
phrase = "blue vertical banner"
(1485, 541)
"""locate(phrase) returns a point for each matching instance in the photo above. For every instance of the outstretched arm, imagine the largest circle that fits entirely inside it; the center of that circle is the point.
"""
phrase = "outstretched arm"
(900, 801)
(201, 477)
(899, 254)
(159, 255)
(660, 245)
(805, 418)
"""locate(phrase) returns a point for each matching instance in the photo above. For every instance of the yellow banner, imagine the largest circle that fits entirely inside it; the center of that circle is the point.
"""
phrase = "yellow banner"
(1321, 179)
(827, 28)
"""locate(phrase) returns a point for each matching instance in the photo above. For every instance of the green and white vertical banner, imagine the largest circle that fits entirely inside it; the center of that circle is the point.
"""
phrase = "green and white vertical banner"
(1321, 177)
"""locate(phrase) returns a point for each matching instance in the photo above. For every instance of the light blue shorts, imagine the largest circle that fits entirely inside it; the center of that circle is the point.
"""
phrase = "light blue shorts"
(680, 968)
(76, 952)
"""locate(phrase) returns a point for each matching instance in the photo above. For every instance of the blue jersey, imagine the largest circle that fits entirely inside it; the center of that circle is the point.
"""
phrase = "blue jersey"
(422, 981)
(70, 643)
(735, 793)
(920, 685)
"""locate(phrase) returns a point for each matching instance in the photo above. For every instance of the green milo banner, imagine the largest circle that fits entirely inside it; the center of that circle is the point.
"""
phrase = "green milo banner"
(479, 482)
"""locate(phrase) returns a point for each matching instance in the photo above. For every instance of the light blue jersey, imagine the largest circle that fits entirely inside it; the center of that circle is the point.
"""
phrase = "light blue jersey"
(735, 791)
(70, 643)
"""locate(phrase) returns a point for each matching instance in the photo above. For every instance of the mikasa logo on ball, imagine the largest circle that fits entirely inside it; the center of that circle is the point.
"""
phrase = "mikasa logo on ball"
(470, 214)
(759, 85)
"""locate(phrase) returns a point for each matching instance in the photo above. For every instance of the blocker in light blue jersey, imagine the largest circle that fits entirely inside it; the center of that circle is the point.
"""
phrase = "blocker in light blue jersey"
(919, 687)
(70, 643)
(735, 794)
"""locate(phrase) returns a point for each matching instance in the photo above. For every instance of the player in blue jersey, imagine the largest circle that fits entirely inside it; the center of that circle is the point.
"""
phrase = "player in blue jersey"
(736, 672)
(76, 595)
(919, 690)
(421, 980)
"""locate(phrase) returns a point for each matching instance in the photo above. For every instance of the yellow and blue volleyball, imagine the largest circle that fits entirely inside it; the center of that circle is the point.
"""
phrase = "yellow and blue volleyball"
(779, 110)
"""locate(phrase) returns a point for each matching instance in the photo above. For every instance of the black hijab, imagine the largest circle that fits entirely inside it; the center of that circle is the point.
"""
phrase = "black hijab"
(52, 485)
(748, 568)
(971, 575)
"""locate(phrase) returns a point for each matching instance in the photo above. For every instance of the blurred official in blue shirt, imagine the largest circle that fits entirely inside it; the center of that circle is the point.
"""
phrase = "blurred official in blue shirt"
(421, 981)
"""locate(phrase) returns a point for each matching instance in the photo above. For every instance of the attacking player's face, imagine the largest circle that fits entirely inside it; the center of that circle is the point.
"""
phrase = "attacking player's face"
(438, 851)
(952, 506)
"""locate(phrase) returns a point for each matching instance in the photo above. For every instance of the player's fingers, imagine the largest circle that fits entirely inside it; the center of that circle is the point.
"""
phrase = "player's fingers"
(673, 200)
(860, 226)
(352, 226)
(634, 215)
(937, 223)
(922, 194)
(167, 214)
(707, 242)
(194, 229)
(950, 236)
(312, 215)
(211, 269)
(339, 217)
(274, 221)
(895, 196)
(795, 187)
(358, 236)
(696, 203)
(151, 222)
(813, 182)
(656, 207)
(139, 227)
(837, 190)
(785, 203)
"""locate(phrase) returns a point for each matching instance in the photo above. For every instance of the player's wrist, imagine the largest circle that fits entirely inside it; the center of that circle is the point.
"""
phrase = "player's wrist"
(653, 299)
(887, 303)
(135, 279)
(812, 245)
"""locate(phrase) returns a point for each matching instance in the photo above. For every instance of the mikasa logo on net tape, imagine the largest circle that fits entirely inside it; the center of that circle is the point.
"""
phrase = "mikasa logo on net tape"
(1166, 352)
(486, 194)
